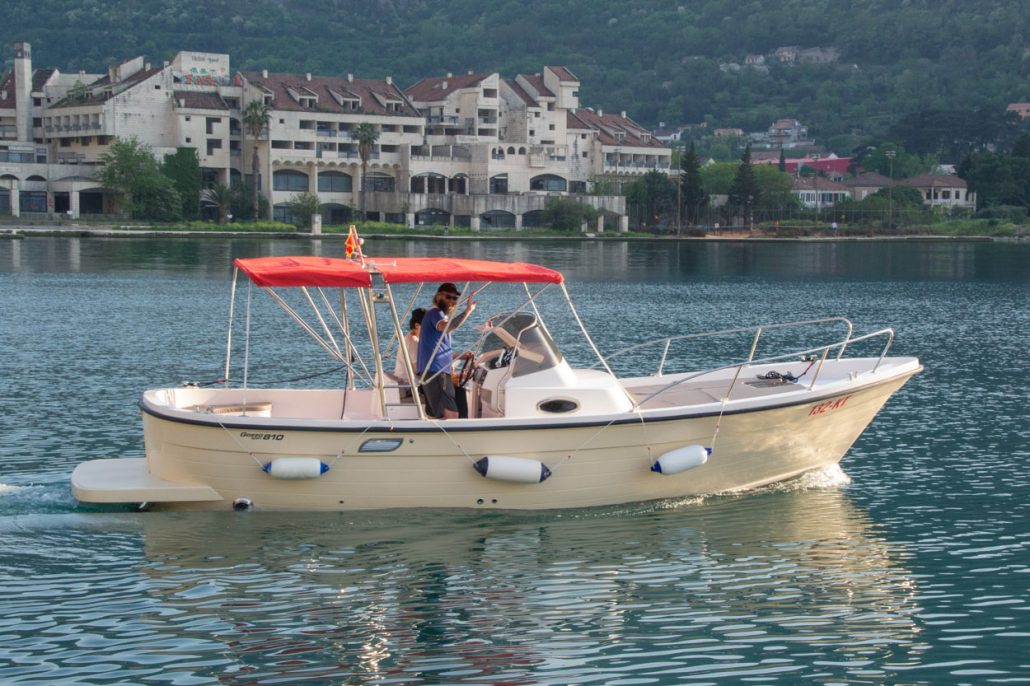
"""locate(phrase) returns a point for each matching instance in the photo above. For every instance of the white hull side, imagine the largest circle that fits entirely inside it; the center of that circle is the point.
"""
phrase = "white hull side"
(591, 465)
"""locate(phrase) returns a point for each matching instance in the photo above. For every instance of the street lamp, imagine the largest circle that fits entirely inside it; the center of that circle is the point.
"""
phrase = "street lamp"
(890, 154)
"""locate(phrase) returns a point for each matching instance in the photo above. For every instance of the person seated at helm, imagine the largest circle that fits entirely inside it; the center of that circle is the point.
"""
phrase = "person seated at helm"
(410, 341)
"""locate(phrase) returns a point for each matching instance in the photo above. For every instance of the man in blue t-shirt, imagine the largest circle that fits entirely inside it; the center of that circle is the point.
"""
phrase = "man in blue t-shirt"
(434, 351)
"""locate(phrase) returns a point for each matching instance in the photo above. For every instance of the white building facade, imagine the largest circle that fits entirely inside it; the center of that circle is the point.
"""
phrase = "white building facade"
(473, 150)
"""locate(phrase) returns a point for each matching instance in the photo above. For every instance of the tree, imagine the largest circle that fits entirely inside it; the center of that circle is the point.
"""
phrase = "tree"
(220, 197)
(183, 168)
(650, 197)
(256, 117)
(130, 168)
(775, 190)
(692, 189)
(718, 177)
(304, 206)
(366, 135)
(744, 193)
(565, 214)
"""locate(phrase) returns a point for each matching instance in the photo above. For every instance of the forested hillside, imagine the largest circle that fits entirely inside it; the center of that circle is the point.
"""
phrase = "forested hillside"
(677, 61)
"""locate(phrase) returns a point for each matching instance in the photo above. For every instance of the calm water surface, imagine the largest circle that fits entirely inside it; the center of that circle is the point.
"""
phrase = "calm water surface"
(908, 565)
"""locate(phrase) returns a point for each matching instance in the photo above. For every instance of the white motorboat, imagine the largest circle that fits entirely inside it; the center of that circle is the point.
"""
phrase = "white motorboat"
(539, 432)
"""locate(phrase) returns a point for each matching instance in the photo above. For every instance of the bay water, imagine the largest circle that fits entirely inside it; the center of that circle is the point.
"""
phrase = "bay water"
(908, 564)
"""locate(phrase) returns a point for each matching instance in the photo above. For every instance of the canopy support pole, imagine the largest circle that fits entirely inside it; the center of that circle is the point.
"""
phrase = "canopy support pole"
(586, 334)
(365, 300)
(402, 350)
(228, 338)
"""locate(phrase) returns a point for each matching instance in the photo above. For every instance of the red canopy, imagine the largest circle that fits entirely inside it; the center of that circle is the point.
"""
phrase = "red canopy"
(336, 272)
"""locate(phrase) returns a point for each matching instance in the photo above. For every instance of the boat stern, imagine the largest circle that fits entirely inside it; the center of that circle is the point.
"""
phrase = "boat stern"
(127, 480)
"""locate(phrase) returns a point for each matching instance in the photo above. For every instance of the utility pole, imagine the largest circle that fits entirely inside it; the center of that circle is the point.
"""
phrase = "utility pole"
(890, 188)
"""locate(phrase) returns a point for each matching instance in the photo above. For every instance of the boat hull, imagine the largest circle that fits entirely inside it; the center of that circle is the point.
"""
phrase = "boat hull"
(590, 464)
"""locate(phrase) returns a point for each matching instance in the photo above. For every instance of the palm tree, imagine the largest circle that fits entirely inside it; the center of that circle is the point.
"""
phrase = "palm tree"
(256, 116)
(218, 196)
(366, 135)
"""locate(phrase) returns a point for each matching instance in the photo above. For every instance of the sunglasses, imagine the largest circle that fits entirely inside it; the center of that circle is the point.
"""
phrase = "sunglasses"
(450, 296)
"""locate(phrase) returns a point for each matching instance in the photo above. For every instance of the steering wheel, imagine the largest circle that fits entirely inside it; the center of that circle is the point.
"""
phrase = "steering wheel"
(466, 370)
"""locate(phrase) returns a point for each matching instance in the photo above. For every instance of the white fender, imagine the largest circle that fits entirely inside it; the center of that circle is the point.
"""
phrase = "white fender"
(521, 470)
(295, 468)
(681, 459)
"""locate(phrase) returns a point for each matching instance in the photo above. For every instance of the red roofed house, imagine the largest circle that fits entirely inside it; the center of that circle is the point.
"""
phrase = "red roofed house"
(1020, 108)
(817, 192)
(942, 190)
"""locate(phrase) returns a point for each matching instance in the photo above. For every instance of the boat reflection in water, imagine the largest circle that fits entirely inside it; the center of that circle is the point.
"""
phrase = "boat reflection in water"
(660, 590)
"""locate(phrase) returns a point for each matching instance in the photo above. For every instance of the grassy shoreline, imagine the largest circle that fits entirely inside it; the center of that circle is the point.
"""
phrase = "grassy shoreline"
(973, 229)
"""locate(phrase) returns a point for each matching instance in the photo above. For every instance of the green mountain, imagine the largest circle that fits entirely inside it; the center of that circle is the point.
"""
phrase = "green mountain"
(680, 61)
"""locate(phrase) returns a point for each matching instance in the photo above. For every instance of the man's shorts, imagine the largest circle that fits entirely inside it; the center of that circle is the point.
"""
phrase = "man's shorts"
(439, 392)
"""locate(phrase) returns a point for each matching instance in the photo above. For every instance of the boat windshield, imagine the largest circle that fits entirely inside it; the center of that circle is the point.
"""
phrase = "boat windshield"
(517, 338)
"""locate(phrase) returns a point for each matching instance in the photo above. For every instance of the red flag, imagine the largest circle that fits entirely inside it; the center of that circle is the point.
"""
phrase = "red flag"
(352, 244)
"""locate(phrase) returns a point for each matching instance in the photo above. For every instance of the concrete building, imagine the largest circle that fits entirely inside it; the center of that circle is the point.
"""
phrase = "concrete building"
(474, 150)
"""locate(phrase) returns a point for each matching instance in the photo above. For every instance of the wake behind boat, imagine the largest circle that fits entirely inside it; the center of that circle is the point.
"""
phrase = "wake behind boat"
(539, 432)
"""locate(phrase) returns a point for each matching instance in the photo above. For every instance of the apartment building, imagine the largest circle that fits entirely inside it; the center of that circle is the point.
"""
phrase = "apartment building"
(473, 150)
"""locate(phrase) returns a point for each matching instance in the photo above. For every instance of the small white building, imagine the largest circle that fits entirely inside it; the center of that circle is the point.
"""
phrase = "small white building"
(942, 190)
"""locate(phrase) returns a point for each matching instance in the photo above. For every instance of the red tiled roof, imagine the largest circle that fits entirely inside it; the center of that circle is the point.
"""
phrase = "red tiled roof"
(573, 122)
(537, 82)
(521, 92)
(609, 124)
(564, 74)
(40, 77)
(869, 180)
(196, 100)
(365, 89)
(123, 85)
(436, 89)
(934, 180)
(814, 183)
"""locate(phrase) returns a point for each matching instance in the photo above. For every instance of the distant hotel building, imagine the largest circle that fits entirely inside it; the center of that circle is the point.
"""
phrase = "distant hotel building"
(473, 150)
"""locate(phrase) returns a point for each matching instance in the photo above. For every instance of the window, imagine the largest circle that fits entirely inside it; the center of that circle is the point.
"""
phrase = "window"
(548, 182)
(289, 180)
(379, 183)
(334, 182)
(211, 121)
(499, 184)
(550, 127)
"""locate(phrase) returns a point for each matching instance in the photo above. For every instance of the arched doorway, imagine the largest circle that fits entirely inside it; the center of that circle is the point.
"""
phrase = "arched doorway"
(534, 219)
(497, 219)
(430, 182)
(431, 216)
(335, 213)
